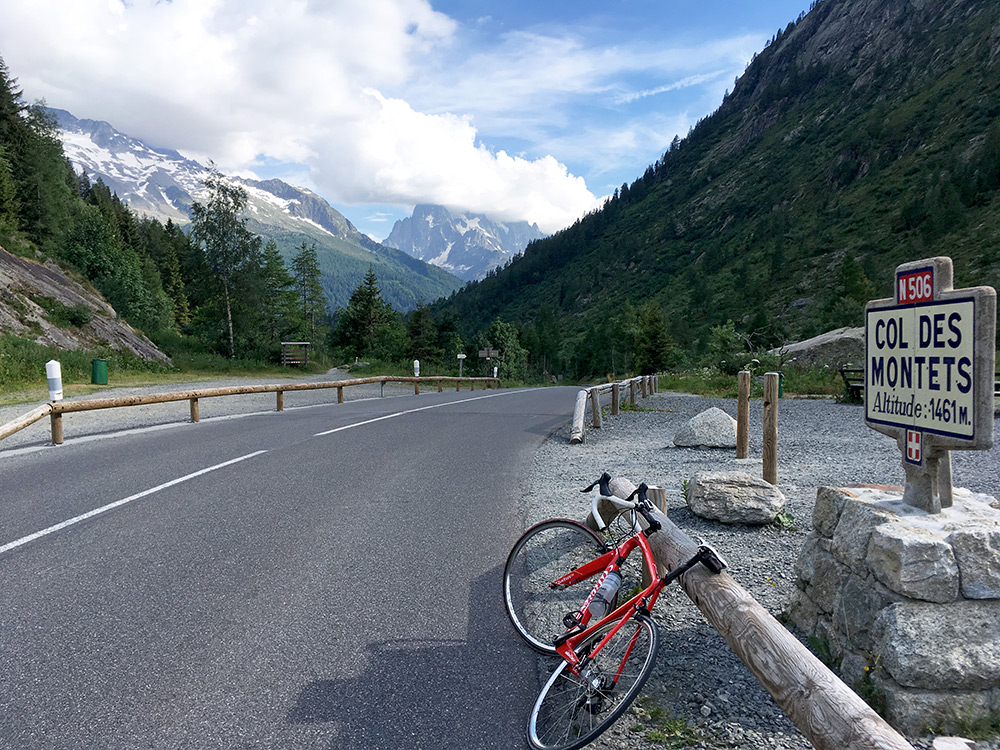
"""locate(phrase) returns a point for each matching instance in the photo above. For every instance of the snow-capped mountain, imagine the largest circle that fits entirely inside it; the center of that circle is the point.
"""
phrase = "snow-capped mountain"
(467, 245)
(163, 184)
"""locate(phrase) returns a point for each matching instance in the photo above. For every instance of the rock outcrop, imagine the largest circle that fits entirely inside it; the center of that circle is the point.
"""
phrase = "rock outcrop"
(30, 291)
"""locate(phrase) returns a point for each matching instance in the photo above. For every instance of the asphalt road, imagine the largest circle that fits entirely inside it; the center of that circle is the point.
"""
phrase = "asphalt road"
(333, 581)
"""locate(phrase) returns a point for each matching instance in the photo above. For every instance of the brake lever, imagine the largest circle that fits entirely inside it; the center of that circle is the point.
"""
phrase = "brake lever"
(604, 484)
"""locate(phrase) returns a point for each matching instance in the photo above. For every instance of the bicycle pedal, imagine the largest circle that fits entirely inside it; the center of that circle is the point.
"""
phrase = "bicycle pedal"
(572, 619)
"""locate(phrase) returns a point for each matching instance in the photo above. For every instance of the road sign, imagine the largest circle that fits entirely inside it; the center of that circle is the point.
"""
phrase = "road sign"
(487, 353)
(929, 359)
(461, 356)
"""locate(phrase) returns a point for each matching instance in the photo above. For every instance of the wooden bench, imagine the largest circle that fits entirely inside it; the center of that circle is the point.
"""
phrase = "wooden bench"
(854, 381)
(294, 353)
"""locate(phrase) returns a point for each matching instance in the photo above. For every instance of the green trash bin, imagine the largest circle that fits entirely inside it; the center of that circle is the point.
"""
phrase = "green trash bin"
(99, 371)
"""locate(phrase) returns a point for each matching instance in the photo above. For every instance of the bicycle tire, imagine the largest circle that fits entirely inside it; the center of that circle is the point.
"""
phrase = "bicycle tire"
(572, 711)
(545, 552)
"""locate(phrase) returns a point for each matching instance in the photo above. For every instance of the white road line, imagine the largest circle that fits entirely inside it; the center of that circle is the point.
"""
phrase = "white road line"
(97, 511)
(413, 411)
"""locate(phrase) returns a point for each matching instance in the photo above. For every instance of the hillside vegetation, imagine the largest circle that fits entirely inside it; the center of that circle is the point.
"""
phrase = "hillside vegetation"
(864, 135)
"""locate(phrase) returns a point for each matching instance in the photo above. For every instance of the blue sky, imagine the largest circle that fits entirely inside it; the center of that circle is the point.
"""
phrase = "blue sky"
(522, 110)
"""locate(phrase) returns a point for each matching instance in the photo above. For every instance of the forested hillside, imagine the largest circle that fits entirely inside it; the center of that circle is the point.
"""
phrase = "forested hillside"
(233, 297)
(866, 133)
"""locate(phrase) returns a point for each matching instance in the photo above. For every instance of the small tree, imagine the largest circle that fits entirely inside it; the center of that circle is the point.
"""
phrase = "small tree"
(228, 245)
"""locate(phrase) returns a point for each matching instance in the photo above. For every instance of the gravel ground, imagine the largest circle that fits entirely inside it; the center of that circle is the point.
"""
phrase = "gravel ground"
(697, 678)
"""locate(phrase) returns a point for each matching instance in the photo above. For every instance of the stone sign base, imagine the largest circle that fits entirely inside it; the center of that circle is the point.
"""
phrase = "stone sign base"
(906, 602)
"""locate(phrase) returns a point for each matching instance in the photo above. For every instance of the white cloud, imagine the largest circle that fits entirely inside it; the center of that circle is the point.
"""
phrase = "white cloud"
(399, 155)
(383, 101)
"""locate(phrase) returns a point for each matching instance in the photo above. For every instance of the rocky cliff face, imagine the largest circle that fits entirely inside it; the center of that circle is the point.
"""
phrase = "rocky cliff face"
(41, 303)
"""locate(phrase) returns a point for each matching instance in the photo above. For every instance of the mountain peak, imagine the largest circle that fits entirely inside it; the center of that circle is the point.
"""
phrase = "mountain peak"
(465, 244)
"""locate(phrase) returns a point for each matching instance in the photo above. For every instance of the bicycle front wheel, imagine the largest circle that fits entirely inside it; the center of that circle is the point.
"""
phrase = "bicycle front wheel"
(544, 553)
(572, 710)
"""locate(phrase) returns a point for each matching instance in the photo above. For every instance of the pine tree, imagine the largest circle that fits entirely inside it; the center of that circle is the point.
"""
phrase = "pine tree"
(653, 345)
(423, 335)
(368, 326)
(43, 200)
(280, 304)
(312, 298)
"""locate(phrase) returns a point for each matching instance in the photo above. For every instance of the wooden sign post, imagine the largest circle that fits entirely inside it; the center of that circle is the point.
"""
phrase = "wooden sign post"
(929, 359)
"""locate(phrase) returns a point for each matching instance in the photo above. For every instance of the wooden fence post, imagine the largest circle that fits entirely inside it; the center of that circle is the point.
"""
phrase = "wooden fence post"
(770, 472)
(595, 406)
(440, 387)
(829, 714)
(194, 410)
(280, 400)
(631, 392)
(57, 429)
(340, 394)
(743, 414)
(615, 398)
(416, 387)
(642, 383)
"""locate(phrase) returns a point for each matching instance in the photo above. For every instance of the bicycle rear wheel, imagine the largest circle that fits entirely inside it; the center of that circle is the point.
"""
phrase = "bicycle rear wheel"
(545, 552)
(572, 710)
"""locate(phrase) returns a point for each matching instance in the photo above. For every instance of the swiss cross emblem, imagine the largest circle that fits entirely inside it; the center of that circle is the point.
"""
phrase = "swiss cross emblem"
(913, 447)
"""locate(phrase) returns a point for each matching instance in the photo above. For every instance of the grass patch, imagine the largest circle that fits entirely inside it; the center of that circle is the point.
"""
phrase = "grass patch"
(820, 381)
(23, 378)
(979, 728)
(63, 315)
(660, 727)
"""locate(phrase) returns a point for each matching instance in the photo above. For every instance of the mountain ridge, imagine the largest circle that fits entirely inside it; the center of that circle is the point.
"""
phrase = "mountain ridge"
(162, 184)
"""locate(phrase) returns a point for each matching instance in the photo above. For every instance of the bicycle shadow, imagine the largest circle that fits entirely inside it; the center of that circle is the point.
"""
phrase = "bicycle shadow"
(435, 693)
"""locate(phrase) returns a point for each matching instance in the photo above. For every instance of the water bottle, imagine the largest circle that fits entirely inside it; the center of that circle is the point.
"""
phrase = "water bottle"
(600, 605)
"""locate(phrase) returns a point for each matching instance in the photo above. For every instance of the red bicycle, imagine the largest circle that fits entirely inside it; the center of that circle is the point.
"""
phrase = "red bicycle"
(607, 646)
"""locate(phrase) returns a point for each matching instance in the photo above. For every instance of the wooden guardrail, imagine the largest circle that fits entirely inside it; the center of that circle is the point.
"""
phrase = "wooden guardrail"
(828, 712)
(56, 409)
(645, 383)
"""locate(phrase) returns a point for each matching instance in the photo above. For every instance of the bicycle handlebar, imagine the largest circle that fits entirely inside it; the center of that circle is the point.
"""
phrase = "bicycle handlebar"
(640, 504)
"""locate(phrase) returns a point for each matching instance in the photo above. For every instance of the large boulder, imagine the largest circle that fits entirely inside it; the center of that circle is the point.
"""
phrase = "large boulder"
(733, 497)
(842, 346)
(713, 428)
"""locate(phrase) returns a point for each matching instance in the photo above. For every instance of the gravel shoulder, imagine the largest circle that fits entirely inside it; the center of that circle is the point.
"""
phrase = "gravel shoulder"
(698, 679)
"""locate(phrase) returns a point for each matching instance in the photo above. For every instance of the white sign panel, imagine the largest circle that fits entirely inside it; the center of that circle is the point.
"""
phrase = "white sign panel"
(919, 367)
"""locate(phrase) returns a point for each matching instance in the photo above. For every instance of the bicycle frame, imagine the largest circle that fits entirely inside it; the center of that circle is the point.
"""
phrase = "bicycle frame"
(608, 562)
